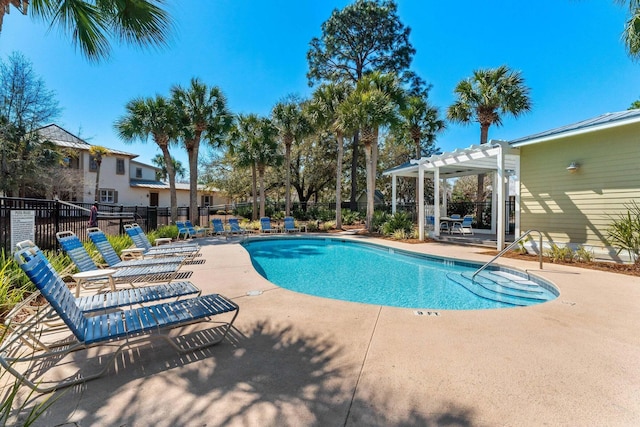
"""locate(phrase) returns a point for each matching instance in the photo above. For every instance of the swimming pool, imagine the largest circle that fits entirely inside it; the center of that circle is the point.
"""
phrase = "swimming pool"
(374, 274)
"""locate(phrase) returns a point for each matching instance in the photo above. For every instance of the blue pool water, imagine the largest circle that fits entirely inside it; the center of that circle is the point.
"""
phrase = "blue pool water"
(366, 273)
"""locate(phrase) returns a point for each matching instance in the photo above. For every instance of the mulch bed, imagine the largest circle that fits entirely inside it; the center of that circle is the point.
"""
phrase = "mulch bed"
(612, 267)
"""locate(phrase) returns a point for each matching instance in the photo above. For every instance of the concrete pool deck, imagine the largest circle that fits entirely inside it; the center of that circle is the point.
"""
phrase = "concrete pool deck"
(299, 360)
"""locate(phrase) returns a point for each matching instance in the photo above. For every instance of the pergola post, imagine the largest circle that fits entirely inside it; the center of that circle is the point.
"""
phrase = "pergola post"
(393, 193)
(436, 202)
(500, 174)
(421, 216)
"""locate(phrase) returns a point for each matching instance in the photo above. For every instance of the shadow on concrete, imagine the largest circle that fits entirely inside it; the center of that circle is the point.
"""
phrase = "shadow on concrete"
(270, 375)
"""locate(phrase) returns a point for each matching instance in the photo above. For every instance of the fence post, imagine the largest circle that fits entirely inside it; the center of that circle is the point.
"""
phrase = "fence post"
(121, 231)
(57, 205)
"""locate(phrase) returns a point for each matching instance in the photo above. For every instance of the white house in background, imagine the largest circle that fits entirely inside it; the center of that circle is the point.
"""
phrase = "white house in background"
(123, 181)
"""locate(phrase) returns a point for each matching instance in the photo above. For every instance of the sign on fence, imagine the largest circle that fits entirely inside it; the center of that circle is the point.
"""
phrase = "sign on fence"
(23, 227)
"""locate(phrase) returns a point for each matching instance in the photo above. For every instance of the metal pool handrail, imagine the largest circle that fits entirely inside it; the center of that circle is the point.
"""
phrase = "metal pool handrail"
(502, 252)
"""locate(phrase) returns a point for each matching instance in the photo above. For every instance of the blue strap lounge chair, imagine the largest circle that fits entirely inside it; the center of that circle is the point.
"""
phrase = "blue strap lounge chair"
(235, 226)
(125, 297)
(81, 258)
(110, 256)
(117, 329)
(265, 225)
(194, 231)
(290, 225)
(182, 230)
(218, 228)
(148, 250)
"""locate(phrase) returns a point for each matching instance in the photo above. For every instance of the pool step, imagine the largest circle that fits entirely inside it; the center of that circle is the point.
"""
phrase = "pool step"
(502, 287)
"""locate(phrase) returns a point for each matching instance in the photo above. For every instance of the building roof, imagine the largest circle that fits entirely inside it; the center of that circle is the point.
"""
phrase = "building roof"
(65, 139)
(460, 162)
(601, 122)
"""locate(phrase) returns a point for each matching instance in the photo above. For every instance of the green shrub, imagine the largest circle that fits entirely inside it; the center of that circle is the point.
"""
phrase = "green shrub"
(378, 220)
(300, 215)
(624, 232)
(328, 225)
(583, 255)
(350, 217)
(163, 232)
(399, 221)
(14, 283)
(244, 211)
(559, 254)
(400, 234)
(312, 226)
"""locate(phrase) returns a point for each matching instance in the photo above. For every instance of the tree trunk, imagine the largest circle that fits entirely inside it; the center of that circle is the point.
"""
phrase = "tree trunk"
(339, 181)
(287, 195)
(418, 156)
(261, 176)
(370, 190)
(484, 134)
(192, 153)
(171, 173)
(353, 203)
(254, 191)
(97, 191)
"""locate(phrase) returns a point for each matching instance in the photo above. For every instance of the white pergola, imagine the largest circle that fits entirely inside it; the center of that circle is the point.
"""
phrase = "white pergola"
(495, 156)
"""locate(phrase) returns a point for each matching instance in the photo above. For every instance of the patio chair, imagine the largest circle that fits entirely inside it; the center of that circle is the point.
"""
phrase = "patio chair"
(120, 328)
(444, 226)
(195, 231)
(265, 226)
(464, 227)
(430, 222)
(218, 228)
(290, 225)
(95, 277)
(144, 246)
(235, 227)
(110, 256)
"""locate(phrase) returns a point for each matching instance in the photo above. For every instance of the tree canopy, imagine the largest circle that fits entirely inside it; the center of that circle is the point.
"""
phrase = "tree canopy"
(364, 36)
(25, 105)
(93, 24)
(487, 96)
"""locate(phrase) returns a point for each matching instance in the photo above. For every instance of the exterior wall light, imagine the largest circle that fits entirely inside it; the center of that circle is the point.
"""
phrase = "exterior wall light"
(573, 167)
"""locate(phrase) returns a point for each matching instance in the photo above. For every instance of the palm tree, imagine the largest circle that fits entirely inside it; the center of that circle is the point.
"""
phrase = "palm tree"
(155, 117)
(631, 34)
(241, 145)
(291, 123)
(202, 113)
(485, 98)
(254, 145)
(97, 152)
(266, 153)
(374, 103)
(93, 23)
(421, 123)
(163, 173)
(325, 112)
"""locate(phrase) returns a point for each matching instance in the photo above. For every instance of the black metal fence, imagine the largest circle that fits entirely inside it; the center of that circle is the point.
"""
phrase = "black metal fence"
(53, 216)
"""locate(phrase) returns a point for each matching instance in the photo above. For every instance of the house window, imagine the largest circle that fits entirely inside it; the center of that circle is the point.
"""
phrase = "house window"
(138, 172)
(108, 195)
(71, 162)
(206, 200)
(120, 166)
(93, 165)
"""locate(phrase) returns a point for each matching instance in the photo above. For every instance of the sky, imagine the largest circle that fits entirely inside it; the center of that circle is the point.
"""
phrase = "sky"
(570, 53)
